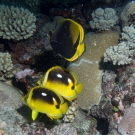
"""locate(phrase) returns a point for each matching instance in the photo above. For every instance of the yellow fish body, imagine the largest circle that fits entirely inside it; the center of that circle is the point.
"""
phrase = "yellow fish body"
(67, 39)
(61, 81)
(43, 100)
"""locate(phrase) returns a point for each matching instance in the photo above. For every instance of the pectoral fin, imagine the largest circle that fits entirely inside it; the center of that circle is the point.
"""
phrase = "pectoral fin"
(78, 88)
(34, 114)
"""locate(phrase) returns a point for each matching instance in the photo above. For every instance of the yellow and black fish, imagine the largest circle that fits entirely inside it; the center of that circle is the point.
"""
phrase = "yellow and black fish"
(43, 100)
(61, 81)
(67, 39)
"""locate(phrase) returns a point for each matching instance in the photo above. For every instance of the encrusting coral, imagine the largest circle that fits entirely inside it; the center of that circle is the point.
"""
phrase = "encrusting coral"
(16, 23)
(103, 19)
(88, 69)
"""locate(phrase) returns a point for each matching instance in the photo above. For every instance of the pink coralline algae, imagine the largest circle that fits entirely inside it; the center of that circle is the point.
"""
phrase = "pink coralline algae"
(127, 124)
(23, 73)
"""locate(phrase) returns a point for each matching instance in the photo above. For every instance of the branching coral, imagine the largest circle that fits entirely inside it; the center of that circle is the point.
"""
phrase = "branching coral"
(103, 19)
(123, 52)
(119, 54)
(128, 35)
(5, 62)
(16, 23)
(6, 67)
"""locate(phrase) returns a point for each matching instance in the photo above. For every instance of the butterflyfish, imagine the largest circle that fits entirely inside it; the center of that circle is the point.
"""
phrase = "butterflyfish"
(62, 81)
(43, 100)
(67, 39)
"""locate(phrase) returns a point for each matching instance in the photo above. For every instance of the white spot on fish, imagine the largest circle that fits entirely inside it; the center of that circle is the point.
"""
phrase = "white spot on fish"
(59, 75)
(44, 94)
(69, 80)
(53, 99)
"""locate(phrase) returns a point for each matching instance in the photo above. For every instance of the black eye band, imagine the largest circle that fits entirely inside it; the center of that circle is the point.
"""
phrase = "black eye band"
(45, 95)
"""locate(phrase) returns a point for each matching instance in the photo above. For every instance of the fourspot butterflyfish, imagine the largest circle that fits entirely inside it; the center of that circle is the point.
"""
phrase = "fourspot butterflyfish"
(61, 81)
(43, 100)
(67, 39)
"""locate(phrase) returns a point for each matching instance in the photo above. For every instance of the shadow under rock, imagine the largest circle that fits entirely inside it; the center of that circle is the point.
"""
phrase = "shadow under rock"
(107, 66)
(25, 112)
(102, 126)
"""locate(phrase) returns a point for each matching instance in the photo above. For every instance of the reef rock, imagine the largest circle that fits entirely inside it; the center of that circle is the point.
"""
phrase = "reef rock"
(125, 14)
(127, 125)
(88, 69)
(10, 103)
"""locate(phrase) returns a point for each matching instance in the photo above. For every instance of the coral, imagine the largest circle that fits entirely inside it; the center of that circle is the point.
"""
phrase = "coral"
(119, 54)
(88, 69)
(70, 114)
(122, 53)
(103, 19)
(5, 62)
(34, 50)
(7, 70)
(10, 74)
(127, 125)
(128, 11)
(16, 23)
